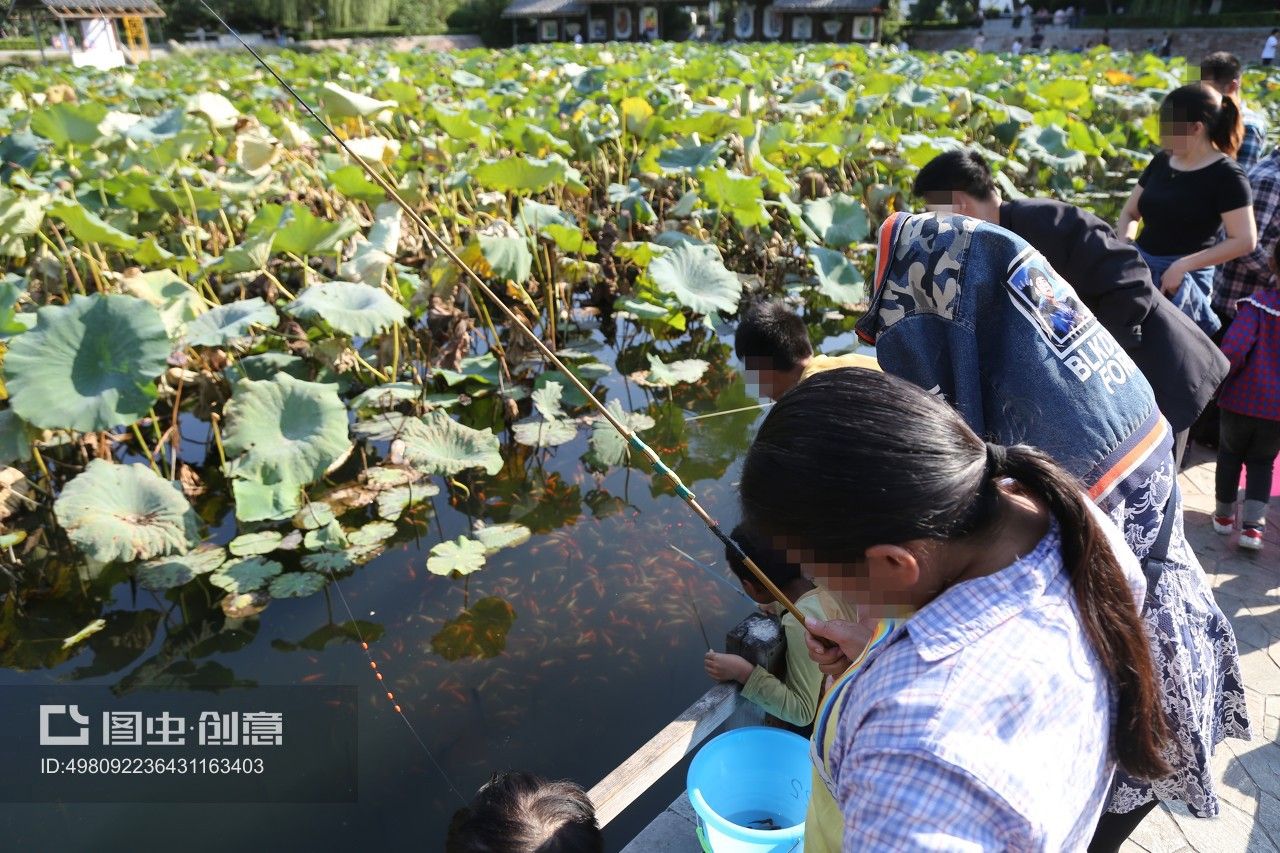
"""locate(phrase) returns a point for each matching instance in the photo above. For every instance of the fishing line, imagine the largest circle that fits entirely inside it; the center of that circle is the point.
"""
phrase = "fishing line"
(711, 571)
(756, 407)
(701, 627)
(658, 466)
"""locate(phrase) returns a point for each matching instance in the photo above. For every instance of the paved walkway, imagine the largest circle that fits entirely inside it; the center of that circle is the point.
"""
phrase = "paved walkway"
(1247, 587)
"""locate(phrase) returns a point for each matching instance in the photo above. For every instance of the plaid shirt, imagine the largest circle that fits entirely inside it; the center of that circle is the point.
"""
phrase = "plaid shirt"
(1253, 346)
(1255, 137)
(1238, 278)
(983, 722)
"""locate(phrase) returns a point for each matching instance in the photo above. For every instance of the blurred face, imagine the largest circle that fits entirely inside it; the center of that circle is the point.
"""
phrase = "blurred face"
(876, 586)
(763, 380)
(963, 204)
(1179, 137)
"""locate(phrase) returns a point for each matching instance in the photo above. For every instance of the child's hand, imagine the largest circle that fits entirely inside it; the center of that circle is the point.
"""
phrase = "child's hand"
(847, 640)
(723, 667)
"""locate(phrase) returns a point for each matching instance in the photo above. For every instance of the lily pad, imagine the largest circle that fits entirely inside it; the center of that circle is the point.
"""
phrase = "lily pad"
(349, 307)
(608, 446)
(480, 632)
(229, 323)
(171, 572)
(394, 501)
(495, 537)
(327, 561)
(89, 365)
(252, 544)
(125, 512)
(372, 533)
(296, 584)
(437, 444)
(463, 555)
(684, 370)
(520, 174)
(695, 275)
(315, 514)
(247, 575)
(544, 433)
(327, 537)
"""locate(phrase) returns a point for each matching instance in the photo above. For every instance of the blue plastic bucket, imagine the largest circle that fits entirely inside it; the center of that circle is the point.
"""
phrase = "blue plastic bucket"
(750, 778)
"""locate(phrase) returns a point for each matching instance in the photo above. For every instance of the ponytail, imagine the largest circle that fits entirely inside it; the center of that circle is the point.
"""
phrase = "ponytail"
(1227, 130)
(1107, 612)
(853, 458)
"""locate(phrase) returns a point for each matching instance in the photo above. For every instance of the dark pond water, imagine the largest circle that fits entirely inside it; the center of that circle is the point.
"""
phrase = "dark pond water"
(561, 656)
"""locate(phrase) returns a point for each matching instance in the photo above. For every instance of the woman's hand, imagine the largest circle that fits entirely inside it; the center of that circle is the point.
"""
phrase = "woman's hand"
(846, 640)
(724, 667)
(1172, 279)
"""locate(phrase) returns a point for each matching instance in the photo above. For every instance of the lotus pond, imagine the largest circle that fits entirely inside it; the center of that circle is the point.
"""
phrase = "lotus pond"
(251, 420)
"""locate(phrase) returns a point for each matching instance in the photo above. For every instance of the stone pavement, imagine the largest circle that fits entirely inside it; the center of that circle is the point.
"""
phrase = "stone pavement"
(1247, 587)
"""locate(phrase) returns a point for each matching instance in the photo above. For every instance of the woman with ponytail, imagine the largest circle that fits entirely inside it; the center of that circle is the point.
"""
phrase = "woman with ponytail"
(992, 718)
(1191, 190)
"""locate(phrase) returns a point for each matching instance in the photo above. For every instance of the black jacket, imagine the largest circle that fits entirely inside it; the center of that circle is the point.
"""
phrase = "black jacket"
(1183, 366)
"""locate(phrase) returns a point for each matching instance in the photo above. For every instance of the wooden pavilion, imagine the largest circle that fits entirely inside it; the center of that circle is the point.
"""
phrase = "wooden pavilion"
(807, 20)
(605, 20)
(98, 41)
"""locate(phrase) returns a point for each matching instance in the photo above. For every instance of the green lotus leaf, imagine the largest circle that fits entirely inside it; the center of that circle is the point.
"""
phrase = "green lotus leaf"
(634, 199)
(68, 124)
(697, 277)
(302, 232)
(372, 533)
(506, 257)
(313, 515)
(547, 400)
(639, 253)
(535, 216)
(88, 365)
(684, 370)
(250, 256)
(690, 158)
(1051, 146)
(480, 632)
(267, 364)
(230, 323)
(641, 309)
(570, 239)
(838, 278)
(736, 193)
(15, 438)
(495, 537)
(88, 228)
(171, 572)
(296, 584)
(463, 555)
(125, 512)
(253, 544)
(151, 130)
(437, 444)
(348, 307)
(394, 501)
(12, 321)
(327, 537)
(247, 575)
(839, 220)
(19, 150)
(608, 446)
(466, 79)
(1065, 93)
(327, 561)
(344, 103)
(520, 174)
(216, 109)
(178, 302)
(542, 433)
(283, 434)
(351, 181)
(20, 217)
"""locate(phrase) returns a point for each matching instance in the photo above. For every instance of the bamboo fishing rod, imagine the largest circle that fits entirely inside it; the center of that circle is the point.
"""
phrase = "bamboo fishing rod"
(659, 467)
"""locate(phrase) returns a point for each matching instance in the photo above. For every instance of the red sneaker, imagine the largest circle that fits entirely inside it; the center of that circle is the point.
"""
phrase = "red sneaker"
(1251, 539)
(1223, 524)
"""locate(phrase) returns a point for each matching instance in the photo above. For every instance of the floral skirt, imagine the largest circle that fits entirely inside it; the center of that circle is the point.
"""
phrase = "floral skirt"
(1198, 663)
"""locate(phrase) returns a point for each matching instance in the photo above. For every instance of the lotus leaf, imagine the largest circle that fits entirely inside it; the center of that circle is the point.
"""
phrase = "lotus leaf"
(328, 536)
(284, 433)
(1051, 146)
(542, 433)
(171, 572)
(547, 400)
(372, 533)
(462, 555)
(178, 302)
(521, 174)
(216, 109)
(247, 575)
(394, 501)
(125, 512)
(495, 537)
(608, 446)
(20, 217)
(634, 199)
(838, 279)
(252, 544)
(839, 220)
(249, 256)
(535, 216)
(88, 365)
(15, 442)
(504, 257)
(88, 228)
(344, 103)
(437, 444)
(69, 124)
(684, 370)
(736, 193)
(327, 562)
(19, 150)
(351, 308)
(690, 158)
(697, 277)
(230, 323)
(313, 515)
(300, 231)
(296, 584)
(480, 632)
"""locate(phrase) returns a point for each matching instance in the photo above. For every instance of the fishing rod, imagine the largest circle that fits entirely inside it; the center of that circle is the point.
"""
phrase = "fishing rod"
(711, 571)
(659, 467)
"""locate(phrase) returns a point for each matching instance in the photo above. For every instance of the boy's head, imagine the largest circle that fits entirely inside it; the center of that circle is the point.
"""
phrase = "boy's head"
(518, 812)
(1221, 70)
(959, 181)
(773, 343)
(771, 562)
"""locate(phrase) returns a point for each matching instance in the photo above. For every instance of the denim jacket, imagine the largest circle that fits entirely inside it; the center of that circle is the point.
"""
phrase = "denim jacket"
(972, 312)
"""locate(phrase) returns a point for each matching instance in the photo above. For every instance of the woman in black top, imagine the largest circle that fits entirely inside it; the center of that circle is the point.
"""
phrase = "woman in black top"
(1189, 191)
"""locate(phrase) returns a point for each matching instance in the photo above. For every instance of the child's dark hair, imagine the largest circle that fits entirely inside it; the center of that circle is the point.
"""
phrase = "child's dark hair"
(517, 812)
(770, 561)
(1199, 102)
(957, 170)
(1220, 67)
(854, 458)
(771, 330)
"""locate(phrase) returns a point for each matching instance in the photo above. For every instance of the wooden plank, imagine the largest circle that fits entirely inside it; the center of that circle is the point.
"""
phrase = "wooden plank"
(664, 750)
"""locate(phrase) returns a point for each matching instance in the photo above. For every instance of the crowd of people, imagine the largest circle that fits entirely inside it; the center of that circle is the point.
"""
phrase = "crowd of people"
(1009, 643)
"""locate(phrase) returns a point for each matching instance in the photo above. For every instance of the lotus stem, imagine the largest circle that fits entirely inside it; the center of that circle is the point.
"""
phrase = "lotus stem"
(214, 418)
(191, 199)
(68, 264)
(142, 442)
(395, 351)
(44, 470)
(367, 366)
(279, 283)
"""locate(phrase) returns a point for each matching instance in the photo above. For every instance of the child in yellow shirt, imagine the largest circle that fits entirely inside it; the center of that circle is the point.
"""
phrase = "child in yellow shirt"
(794, 700)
